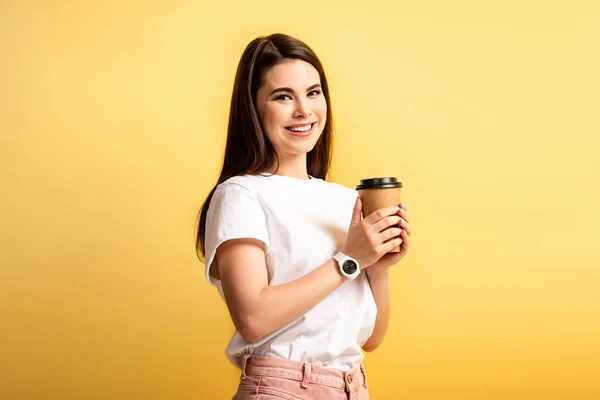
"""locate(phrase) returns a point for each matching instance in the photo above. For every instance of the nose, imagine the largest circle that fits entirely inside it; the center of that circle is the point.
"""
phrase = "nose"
(302, 109)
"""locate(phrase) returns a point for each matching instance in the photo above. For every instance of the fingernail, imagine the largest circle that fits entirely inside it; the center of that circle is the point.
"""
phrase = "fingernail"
(397, 208)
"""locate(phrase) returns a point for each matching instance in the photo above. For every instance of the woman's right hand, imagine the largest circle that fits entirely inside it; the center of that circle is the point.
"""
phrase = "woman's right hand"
(367, 239)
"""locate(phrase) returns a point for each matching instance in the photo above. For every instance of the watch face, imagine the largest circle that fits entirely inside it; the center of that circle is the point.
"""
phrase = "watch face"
(349, 267)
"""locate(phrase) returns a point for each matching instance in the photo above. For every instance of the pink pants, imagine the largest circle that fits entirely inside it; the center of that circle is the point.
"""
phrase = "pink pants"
(269, 378)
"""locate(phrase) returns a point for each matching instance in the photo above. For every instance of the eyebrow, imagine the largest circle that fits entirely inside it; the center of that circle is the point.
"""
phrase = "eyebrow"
(289, 90)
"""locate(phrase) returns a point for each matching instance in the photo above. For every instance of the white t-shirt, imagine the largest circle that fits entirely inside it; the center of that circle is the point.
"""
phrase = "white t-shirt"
(302, 223)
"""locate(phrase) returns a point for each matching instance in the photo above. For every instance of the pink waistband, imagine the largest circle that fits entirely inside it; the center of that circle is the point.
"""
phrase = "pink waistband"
(304, 372)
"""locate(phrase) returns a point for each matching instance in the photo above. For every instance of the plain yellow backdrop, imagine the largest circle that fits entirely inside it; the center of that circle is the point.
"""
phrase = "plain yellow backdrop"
(113, 119)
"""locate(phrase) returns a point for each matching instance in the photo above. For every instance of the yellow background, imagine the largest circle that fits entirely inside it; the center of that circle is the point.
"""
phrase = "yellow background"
(113, 118)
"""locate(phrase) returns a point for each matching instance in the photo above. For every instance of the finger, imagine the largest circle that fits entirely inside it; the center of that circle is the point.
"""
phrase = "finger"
(402, 212)
(390, 233)
(380, 214)
(386, 223)
(406, 226)
(392, 244)
(405, 240)
(356, 211)
(391, 258)
(403, 206)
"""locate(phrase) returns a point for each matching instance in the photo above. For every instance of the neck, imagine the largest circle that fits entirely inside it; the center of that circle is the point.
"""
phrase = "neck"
(294, 167)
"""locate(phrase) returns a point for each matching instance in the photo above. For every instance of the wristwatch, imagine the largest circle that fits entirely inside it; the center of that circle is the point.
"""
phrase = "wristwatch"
(349, 267)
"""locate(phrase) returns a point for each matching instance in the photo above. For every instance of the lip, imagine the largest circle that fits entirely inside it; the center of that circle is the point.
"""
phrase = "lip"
(301, 134)
(299, 125)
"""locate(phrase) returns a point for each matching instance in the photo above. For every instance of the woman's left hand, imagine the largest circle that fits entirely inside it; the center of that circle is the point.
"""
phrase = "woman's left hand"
(384, 263)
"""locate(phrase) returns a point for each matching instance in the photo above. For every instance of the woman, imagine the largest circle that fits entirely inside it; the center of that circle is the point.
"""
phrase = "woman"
(305, 278)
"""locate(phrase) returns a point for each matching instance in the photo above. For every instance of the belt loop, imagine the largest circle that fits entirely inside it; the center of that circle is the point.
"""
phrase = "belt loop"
(305, 375)
(362, 369)
(244, 361)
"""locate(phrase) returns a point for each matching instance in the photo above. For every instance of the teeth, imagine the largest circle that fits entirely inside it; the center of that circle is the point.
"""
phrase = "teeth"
(301, 129)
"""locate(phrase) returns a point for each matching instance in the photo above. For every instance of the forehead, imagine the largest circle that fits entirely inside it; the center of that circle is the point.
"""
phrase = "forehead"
(291, 73)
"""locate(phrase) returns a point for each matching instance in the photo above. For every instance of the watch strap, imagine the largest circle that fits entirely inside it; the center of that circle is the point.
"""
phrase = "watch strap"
(341, 258)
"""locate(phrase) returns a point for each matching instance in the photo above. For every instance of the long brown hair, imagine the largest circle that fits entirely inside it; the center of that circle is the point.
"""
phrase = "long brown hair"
(248, 150)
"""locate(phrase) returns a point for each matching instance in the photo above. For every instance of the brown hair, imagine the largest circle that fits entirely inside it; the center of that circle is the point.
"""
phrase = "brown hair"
(248, 150)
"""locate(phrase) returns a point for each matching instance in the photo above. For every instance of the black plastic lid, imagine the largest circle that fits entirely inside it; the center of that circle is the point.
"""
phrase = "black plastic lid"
(378, 183)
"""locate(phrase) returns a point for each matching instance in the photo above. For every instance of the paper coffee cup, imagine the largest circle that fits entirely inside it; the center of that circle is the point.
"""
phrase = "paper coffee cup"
(378, 193)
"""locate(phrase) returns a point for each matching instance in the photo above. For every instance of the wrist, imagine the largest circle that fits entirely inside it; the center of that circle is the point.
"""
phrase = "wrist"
(376, 271)
(362, 265)
(348, 265)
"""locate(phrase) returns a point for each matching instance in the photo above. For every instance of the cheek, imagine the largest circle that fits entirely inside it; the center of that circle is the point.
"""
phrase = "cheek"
(275, 115)
(321, 109)
(272, 119)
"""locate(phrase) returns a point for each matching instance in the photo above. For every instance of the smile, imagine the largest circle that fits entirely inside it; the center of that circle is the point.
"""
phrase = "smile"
(301, 130)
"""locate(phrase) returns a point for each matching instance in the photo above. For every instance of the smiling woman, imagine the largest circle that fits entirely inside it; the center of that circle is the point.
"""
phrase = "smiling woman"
(293, 112)
(284, 247)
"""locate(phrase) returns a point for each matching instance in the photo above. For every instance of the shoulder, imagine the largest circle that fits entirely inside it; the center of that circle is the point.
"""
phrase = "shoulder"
(235, 203)
(237, 184)
(238, 194)
(233, 194)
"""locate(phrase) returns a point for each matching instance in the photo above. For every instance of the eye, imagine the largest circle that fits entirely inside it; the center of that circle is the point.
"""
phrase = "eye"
(282, 97)
(316, 93)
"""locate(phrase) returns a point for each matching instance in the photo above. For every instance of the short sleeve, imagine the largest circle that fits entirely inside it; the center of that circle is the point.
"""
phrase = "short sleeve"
(234, 213)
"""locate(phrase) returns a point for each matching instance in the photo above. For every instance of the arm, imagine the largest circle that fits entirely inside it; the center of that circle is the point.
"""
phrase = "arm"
(378, 275)
(380, 286)
(257, 309)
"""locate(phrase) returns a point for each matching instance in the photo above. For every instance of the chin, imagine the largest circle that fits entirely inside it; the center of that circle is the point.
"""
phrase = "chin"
(308, 147)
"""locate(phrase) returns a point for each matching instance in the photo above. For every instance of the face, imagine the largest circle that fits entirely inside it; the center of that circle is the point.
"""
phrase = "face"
(292, 107)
